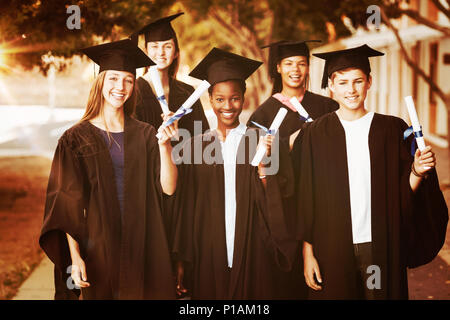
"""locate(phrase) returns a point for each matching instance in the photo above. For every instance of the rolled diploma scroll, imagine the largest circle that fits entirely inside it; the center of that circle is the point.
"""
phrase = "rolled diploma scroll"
(414, 121)
(298, 106)
(156, 80)
(204, 85)
(273, 128)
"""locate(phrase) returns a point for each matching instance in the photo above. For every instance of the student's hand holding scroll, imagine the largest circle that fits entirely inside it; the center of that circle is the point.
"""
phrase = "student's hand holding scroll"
(424, 161)
(267, 142)
(167, 133)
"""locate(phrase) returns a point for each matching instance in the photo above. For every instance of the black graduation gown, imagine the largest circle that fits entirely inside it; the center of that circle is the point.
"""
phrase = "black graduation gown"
(316, 106)
(149, 110)
(126, 257)
(261, 239)
(292, 285)
(408, 229)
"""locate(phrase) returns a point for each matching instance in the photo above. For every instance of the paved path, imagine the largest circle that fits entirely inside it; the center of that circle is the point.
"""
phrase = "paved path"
(39, 285)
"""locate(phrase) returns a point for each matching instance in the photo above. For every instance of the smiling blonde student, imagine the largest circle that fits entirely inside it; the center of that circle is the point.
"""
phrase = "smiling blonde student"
(368, 208)
(103, 224)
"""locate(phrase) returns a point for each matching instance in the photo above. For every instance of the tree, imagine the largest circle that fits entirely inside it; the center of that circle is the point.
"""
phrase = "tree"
(30, 29)
(244, 26)
(35, 27)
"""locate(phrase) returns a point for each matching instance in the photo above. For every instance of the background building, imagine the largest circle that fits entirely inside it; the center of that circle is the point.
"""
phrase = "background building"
(393, 79)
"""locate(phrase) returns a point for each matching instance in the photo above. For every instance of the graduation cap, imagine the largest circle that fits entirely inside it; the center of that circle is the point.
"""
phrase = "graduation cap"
(159, 30)
(121, 55)
(282, 49)
(220, 65)
(349, 58)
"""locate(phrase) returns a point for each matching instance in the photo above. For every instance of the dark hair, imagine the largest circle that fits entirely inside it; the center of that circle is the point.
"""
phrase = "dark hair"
(240, 82)
(276, 78)
(173, 68)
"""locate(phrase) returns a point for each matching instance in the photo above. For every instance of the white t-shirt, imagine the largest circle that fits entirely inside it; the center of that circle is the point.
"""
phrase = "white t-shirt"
(358, 161)
(229, 152)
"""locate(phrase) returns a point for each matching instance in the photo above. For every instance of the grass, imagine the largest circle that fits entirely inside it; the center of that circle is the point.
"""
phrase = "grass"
(23, 182)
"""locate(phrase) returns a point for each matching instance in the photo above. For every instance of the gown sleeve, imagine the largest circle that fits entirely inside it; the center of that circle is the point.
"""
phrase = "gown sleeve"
(155, 160)
(425, 212)
(64, 207)
(167, 202)
(272, 215)
(304, 172)
(183, 212)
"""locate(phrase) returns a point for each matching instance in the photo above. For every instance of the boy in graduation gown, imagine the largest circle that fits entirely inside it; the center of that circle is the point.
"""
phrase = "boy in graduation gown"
(289, 71)
(369, 209)
(161, 45)
(231, 229)
(103, 224)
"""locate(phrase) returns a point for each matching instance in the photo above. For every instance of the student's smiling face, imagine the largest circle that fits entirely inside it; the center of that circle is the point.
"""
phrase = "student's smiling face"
(163, 53)
(349, 87)
(293, 71)
(117, 87)
(227, 100)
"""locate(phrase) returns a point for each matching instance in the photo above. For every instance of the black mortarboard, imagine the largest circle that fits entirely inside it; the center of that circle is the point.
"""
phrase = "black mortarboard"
(159, 30)
(220, 65)
(349, 58)
(283, 49)
(121, 55)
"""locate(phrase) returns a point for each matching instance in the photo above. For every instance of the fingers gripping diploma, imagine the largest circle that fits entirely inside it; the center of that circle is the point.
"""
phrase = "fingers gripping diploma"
(169, 132)
(169, 172)
(267, 142)
(311, 268)
(424, 160)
